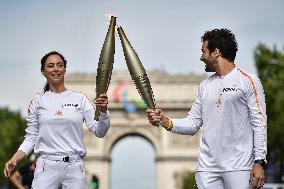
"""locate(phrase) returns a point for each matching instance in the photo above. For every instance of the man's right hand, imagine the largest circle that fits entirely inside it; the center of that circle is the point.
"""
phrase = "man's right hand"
(154, 116)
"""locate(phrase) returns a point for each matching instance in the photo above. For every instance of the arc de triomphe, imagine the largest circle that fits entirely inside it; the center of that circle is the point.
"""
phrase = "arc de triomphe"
(175, 154)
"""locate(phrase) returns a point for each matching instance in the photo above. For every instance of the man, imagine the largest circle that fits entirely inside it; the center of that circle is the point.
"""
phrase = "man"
(230, 108)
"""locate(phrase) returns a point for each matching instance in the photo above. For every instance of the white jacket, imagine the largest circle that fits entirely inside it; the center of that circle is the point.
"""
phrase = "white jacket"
(55, 123)
(231, 111)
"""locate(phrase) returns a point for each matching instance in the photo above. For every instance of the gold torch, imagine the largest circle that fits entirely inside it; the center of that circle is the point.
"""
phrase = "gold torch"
(137, 71)
(105, 65)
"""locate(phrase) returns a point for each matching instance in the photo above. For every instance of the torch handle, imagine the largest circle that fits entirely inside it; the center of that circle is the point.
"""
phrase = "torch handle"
(158, 123)
(102, 82)
(97, 113)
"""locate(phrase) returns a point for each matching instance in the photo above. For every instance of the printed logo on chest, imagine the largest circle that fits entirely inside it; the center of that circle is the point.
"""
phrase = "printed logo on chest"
(69, 105)
(231, 92)
(58, 113)
(229, 89)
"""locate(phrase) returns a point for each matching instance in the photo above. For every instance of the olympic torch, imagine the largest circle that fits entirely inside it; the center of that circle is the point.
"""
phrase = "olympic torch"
(137, 71)
(105, 65)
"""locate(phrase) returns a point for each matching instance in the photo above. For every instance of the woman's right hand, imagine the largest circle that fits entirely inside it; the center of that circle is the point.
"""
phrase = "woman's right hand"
(11, 164)
(9, 167)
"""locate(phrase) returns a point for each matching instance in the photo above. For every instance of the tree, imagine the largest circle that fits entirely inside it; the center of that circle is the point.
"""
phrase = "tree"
(188, 181)
(12, 131)
(270, 67)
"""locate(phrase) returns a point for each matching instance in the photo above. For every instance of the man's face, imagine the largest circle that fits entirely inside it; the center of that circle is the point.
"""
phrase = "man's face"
(208, 58)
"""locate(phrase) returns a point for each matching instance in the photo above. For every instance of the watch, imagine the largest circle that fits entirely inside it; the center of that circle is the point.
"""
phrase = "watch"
(262, 162)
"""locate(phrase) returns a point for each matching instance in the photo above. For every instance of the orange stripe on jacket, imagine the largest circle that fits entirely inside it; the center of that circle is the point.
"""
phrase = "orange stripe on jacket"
(94, 107)
(255, 94)
(30, 104)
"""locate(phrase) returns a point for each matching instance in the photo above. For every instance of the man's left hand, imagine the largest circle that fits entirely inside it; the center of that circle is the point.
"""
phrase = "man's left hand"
(257, 176)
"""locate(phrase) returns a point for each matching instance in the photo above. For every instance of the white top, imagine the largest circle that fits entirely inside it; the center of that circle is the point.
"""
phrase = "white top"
(231, 110)
(55, 123)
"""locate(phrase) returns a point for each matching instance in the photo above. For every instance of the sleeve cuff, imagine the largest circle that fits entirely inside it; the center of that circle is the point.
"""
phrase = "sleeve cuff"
(104, 115)
(26, 147)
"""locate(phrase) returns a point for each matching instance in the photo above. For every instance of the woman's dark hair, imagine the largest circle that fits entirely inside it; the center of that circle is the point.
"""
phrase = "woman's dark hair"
(46, 87)
(222, 39)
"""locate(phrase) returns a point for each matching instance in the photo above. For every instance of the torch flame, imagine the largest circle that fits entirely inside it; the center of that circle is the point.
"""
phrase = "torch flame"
(109, 15)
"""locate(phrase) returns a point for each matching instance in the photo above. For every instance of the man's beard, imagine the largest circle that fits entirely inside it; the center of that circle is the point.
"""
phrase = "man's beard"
(209, 66)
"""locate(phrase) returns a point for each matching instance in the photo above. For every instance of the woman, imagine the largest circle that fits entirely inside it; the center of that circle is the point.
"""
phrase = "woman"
(55, 130)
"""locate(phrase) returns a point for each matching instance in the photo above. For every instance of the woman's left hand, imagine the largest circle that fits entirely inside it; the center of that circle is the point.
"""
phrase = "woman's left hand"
(102, 102)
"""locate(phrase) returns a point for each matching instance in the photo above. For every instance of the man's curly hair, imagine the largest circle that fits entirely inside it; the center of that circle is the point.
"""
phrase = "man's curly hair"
(222, 39)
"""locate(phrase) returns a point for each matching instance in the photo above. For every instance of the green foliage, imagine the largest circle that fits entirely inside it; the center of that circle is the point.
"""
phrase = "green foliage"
(270, 67)
(188, 181)
(12, 131)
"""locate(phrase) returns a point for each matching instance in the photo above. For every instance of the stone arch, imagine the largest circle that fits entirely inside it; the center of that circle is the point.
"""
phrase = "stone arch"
(144, 133)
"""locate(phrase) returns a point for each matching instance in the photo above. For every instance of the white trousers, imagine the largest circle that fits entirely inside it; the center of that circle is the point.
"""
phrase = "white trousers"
(223, 180)
(52, 174)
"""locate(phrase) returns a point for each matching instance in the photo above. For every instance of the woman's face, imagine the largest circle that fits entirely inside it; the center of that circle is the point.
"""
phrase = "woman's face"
(54, 70)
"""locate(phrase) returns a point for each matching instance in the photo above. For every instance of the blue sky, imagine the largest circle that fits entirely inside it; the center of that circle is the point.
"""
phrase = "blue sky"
(165, 34)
